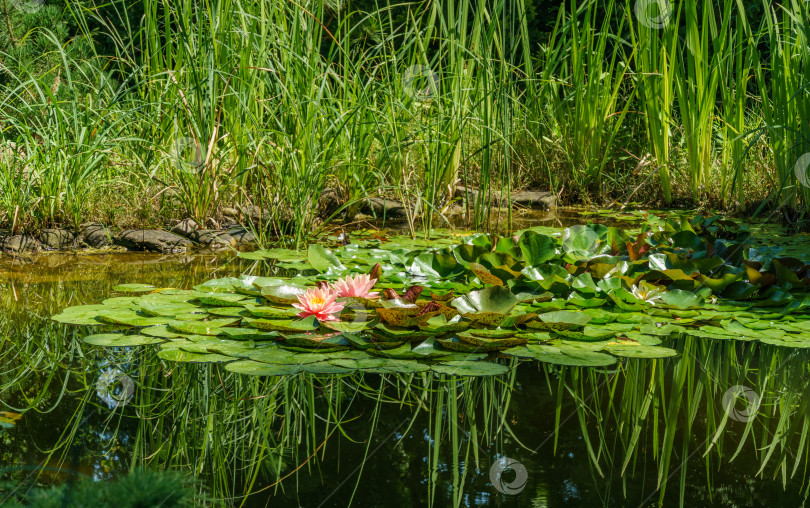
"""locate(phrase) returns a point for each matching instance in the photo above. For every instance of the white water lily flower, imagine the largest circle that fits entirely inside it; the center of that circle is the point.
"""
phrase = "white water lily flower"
(647, 292)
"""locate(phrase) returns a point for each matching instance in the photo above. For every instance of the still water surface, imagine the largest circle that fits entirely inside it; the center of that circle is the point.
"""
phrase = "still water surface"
(540, 436)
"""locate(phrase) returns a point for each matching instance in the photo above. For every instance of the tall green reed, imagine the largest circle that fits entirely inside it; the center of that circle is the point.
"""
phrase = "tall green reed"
(735, 108)
(583, 75)
(66, 126)
(697, 80)
(656, 39)
(784, 88)
(203, 106)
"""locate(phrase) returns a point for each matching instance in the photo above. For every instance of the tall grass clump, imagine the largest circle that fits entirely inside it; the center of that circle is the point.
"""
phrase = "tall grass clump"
(270, 98)
(583, 76)
(61, 129)
(737, 72)
(784, 87)
(655, 35)
(199, 108)
(696, 80)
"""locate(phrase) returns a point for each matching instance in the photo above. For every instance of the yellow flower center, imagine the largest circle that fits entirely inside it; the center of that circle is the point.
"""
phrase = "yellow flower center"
(317, 300)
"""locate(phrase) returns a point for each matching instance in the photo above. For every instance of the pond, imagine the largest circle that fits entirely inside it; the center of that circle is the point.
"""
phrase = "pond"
(676, 402)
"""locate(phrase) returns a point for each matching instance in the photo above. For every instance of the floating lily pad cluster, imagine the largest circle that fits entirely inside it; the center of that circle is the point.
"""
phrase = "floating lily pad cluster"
(582, 297)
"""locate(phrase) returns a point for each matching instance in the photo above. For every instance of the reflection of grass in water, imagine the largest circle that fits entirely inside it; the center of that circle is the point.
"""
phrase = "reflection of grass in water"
(676, 408)
(240, 434)
(139, 488)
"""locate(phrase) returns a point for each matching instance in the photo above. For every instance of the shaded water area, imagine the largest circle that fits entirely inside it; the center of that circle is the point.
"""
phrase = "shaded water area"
(723, 423)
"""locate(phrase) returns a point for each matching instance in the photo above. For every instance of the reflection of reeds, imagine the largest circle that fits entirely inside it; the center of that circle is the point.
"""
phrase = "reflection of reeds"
(673, 410)
(240, 434)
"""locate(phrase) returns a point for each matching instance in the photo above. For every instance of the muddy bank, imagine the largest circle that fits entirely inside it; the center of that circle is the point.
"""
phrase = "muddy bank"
(187, 236)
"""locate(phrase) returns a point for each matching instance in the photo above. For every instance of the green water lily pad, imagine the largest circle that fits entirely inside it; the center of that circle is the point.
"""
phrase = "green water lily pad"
(254, 368)
(80, 315)
(177, 355)
(322, 259)
(130, 318)
(588, 334)
(315, 341)
(324, 368)
(393, 333)
(119, 340)
(630, 350)
(402, 352)
(284, 325)
(211, 327)
(440, 324)
(643, 339)
(358, 364)
(457, 345)
(237, 333)
(362, 342)
(268, 312)
(161, 331)
(456, 368)
(561, 356)
(349, 326)
(795, 341)
(203, 344)
(536, 248)
(284, 294)
(682, 299)
(493, 300)
(436, 265)
(399, 367)
(227, 311)
(560, 320)
(152, 308)
(220, 299)
(492, 342)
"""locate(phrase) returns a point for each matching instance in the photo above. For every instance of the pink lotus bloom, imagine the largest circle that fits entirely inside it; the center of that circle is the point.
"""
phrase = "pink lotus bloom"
(319, 302)
(358, 286)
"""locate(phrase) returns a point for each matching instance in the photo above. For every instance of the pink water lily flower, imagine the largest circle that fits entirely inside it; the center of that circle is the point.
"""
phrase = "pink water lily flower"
(358, 286)
(319, 302)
